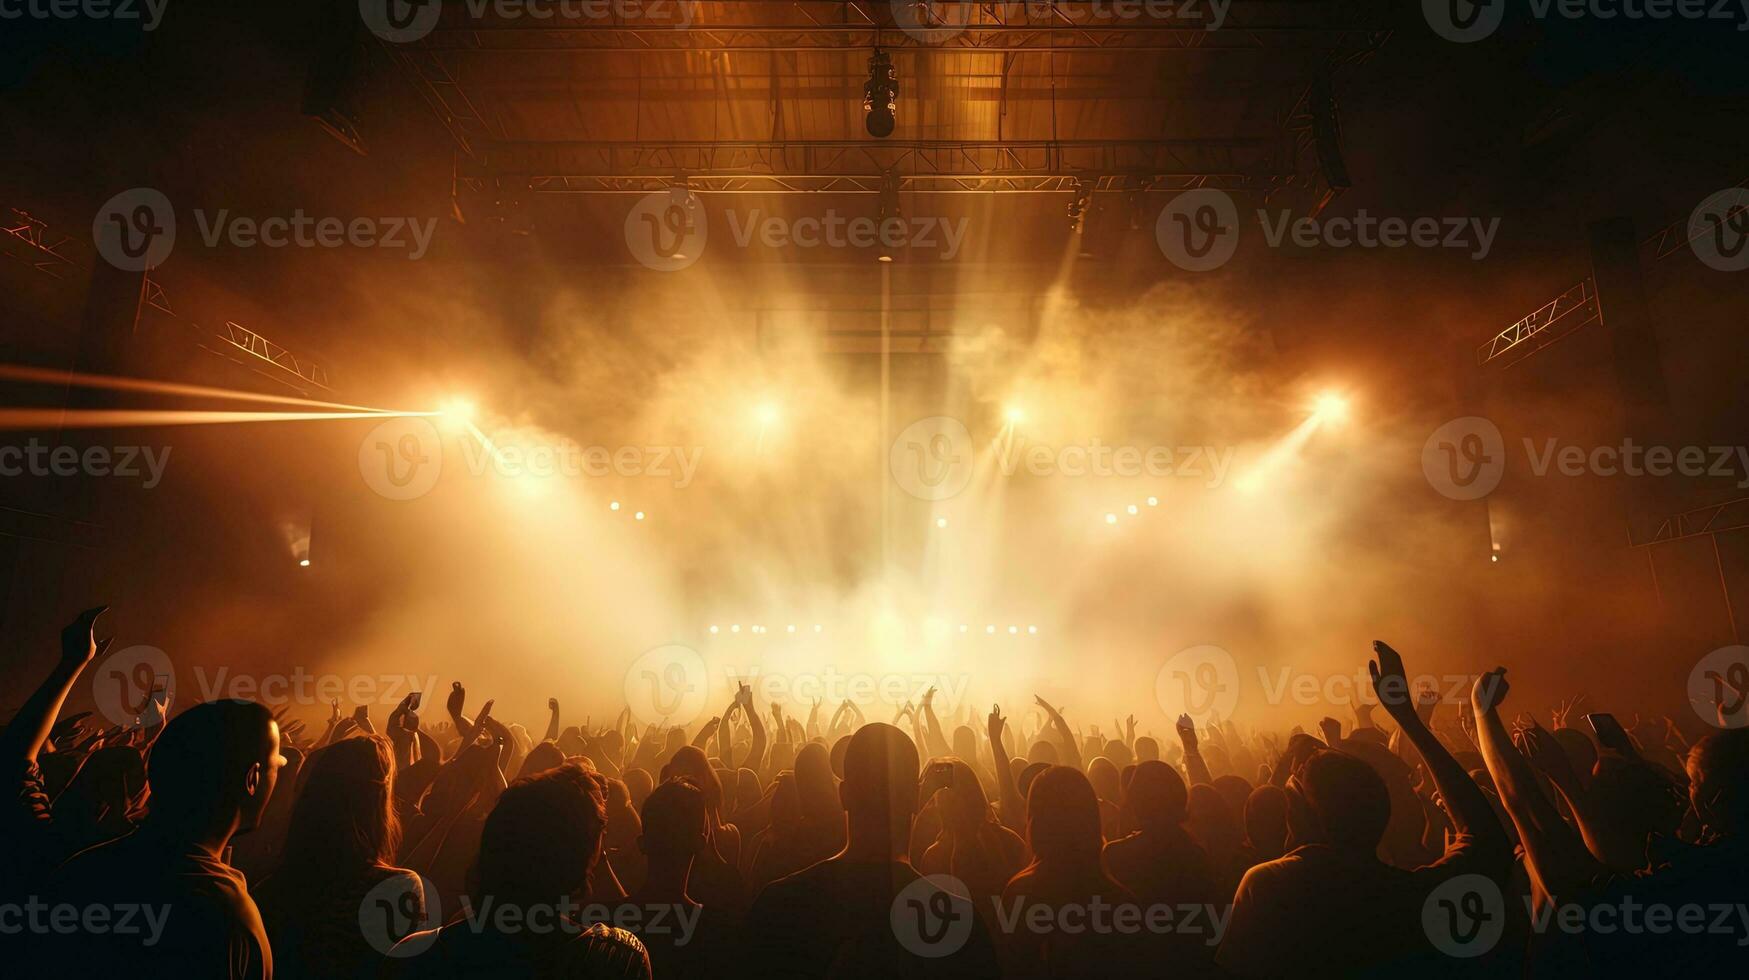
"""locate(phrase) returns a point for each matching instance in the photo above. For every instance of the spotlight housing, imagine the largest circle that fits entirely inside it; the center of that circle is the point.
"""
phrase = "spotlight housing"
(880, 96)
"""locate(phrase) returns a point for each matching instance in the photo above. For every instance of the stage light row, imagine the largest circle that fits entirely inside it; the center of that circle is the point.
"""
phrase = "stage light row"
(614, 506)
(990, 629)
(1132, 510)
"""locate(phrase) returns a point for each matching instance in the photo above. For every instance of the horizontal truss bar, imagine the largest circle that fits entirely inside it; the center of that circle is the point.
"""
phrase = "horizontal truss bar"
(1549, 323)
(1701, 522)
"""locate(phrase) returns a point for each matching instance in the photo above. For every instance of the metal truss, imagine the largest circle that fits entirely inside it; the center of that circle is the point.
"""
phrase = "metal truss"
(1701, 522)
(32, 243)
(443, 92)
(1549, 323)
(238, 344)
(857, 166)
(1674, 237)
(259, 347)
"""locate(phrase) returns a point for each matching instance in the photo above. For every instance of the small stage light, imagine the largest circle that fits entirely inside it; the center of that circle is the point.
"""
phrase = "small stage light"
(638, 516)
(613, 506)
(735, 628)
(941, 522)
(990, 630)
(767, 413)
(1111, 518)
(1153, 501)
(460, 409)
(713, 629)
(963, 627)
(1013, 630)
(305, 562)
(1032, 629)
(1134, 510)
(1013, 415)
(1490, 558)
(817, 627)
(791, 628)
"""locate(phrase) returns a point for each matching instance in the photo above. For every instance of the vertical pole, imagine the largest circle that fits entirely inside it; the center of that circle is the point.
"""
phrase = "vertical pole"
(1725, 587)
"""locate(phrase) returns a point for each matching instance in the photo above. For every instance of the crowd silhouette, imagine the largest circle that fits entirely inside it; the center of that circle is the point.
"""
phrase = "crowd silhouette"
(225, 840)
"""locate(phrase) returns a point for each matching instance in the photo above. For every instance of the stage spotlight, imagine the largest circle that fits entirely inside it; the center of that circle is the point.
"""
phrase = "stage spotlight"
(1079, 207)
(790, 628)
(735, 628)
(1013, 415)
(460, 409)
(1153, 501)
(1013, 631)
(990, 630)
(1032, 629)
(817, 627)
(613, 506)
(305, 562)
(963, 627)
(1134, 509)
(1111, 518)
(1490, 558)
(638, 516)
(767, 414)
(941, 522)
(880, 96)
(1330, 407)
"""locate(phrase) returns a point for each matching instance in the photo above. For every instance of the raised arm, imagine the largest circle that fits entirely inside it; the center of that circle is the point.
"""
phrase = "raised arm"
(24, 737)
(1071, 748)
(1007, 793)
(934, 739)
(1194, 766)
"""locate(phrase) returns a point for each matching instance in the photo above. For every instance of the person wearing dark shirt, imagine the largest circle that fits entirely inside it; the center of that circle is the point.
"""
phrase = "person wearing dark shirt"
(537, 848)
(837, 918)
(1330, 906)
(210, 773)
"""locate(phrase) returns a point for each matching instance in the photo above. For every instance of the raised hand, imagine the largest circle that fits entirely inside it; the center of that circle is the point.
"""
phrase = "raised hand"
(1489, 691)
(1332, 730)
(1390, 682)
(458, 698)
(1187, 731)
(994, 723)
(79, 644)
(361, 718)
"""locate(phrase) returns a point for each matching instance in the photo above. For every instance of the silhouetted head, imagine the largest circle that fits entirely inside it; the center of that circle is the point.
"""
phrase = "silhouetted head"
(1235, 790)
(213, 762)
(965, 742)
(964, 805)
(879, 791)
(1147, 750)
(1581, 751)
(1042, 751)
(816, 789)
(1348, 798)
(542, 757)
(1266, 821)
(1102, 773)
(344, 818)
(1062, 819)
(689, 762)
(1118, 753)
(1030, 772)
(674, 821)
(543, 836)
(1156, 796)
(1718, 780)
(837, 755)
(639, 783)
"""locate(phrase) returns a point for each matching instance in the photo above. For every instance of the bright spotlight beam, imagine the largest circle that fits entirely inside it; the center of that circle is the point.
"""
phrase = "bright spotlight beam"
(78, 379)
(124, 418)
